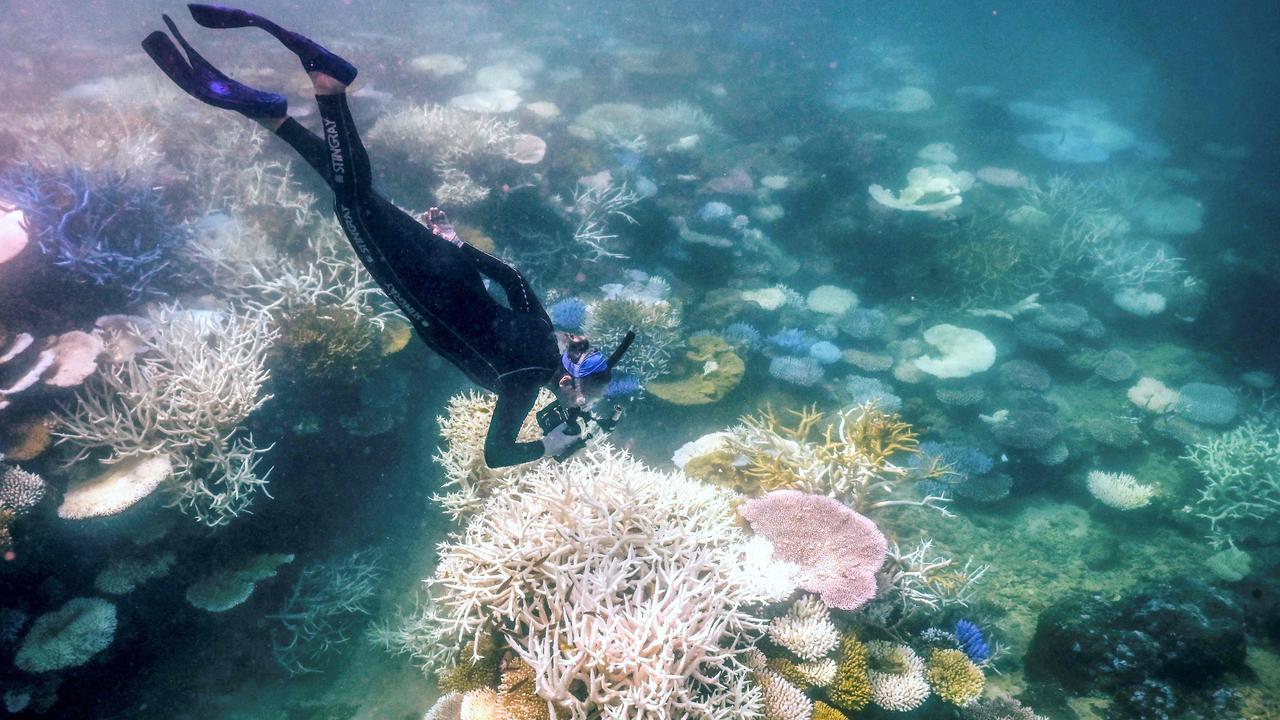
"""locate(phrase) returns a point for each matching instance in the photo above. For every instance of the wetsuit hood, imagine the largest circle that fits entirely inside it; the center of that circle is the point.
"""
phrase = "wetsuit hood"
(594, 361)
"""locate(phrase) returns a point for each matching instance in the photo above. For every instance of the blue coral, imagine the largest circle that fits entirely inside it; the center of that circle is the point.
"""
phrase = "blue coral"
(791, 340)
(824, 352)
(972, 641)
(744, 334)
(623, 385)
(805, 372)
(101, 229)
(568, 314)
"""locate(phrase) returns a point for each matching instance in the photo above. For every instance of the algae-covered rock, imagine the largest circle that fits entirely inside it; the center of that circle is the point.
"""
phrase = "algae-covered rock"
(710, 369)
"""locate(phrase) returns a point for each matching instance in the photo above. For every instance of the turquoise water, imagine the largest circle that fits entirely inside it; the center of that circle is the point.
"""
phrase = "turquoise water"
(952, 394)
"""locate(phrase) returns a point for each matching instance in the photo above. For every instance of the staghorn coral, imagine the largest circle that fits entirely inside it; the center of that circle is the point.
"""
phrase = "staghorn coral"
(1241, 493)
(853, 456)
(1000, 708)
(954, 677)
(99, 229)
(652, 620)
(326, 345)
(455, 142)
(851, 689)
(922, 581)
(657, 326)
(322, 610)
(463, 428)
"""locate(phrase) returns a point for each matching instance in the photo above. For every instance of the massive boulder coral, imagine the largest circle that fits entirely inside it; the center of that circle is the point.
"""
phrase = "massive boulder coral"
(622, 587)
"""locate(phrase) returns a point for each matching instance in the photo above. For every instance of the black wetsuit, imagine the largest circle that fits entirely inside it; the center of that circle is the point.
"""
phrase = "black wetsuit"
(510, 350)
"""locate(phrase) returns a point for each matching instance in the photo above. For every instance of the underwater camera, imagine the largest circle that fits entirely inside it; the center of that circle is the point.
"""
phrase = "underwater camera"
(576, 422)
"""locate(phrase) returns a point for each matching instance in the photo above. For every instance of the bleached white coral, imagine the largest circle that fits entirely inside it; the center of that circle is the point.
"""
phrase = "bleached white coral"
(631, 592)
(1119, 490)
(463, 427)
(896, 674)
(184, 396)
(806, 629)
(782, 700)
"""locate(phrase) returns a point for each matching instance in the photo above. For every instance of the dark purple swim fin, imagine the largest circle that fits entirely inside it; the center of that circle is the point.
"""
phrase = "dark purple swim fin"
(314, 57)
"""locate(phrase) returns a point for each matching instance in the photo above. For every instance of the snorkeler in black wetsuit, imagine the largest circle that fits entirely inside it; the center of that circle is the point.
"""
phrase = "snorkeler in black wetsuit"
(432, 275)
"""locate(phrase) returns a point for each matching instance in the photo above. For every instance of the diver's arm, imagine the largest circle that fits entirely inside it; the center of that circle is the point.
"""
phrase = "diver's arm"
(501, 449)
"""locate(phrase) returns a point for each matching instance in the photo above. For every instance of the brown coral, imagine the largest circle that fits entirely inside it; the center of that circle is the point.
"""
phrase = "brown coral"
(954, 677)
(326, 343)
(851, 690)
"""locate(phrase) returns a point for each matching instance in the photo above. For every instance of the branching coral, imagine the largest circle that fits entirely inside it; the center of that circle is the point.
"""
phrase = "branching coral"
(463, 429)
(630, 592)
(593, 208)
(853, 456)
(1119, 490)
(1241, 470)
(185, 396)
(104, 229)
(954, 677)
(897, 676)
(922, 580)
(806, 629)
(452, 141)
(851, 690)
(657, 327)
(322, 610)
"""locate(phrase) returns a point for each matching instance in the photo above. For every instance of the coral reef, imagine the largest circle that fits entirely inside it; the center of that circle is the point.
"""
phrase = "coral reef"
(657, 326)
(1241, 492)
(1119, 490)
(805, 630)
(232, 585)
(541, 563)
(710, 370)
(954, 677)
(103, 230)
(463, 428)
(122, 575)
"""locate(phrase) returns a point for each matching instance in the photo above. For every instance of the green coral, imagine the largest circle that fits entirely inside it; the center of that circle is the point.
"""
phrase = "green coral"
(1241, 494)
(710, 369)
(851, 690)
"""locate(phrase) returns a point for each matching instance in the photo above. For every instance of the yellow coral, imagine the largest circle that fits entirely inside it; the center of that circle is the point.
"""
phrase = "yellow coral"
(850, 455)
(851, 690)
(469, 674)
(823, 711)
(329, 343)
(394, 336)
(710, 370)
(805, 675)
(516, 696)
(954, 677)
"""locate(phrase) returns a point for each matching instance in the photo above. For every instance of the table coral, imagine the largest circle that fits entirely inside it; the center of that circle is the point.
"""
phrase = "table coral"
(711, 369)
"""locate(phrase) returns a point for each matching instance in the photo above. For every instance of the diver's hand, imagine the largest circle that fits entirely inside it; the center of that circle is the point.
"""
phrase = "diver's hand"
(440, 225)
(558, 440)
